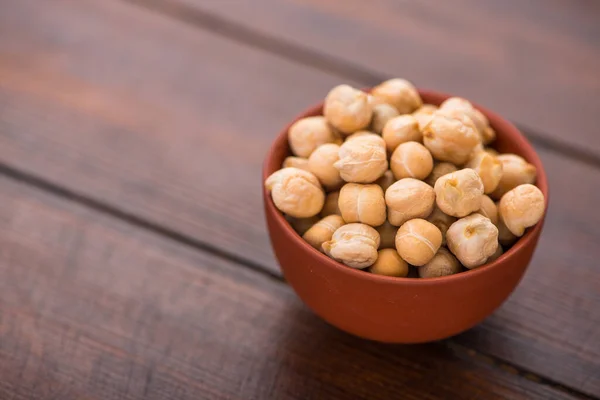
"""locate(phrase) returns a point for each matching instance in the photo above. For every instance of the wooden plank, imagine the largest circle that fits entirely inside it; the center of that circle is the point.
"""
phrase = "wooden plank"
(124, 107)
(93, 308)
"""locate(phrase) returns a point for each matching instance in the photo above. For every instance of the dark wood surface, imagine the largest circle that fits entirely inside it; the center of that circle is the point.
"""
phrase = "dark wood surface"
(160, 120)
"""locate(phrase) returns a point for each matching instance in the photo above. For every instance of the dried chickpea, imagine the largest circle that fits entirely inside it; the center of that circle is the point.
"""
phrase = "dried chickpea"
(354, 245)
(331, 204)
(521, 208)
(489, 169)
(491, 151)
(401, 129)
(515, 171)
(459, 193)
(301, 225)
(442, 264)
(411, 160)
(400, 93)
(505, 237)
(417, 241)
(386, 180)
(480, 120)
(389, 263)
(363, 134)
(489, 209)
(382, 113)
(450, 139)
(472, 240)
(322, 231)
(362, 203)
(496, 255)
(426, 109)
(320, 163)
(488, 135)
(387, 235)
(295, 162)
(296, 192)
(442, 221)
(440, 169)
(409, 198)
(362, 160)
(306, 134)
(347, 109)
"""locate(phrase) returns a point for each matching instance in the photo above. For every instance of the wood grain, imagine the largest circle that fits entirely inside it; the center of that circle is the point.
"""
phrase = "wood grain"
(169, 123)
(93, 308)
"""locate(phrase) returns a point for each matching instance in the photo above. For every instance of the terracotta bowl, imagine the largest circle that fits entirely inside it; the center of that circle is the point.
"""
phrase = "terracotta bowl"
(400, 310)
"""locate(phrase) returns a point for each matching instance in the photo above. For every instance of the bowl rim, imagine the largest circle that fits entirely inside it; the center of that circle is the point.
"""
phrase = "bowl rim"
(499, 124)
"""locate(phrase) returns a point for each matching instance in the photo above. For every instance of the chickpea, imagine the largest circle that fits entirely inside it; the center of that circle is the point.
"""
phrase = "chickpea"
(296, 162)
(521, 208)
(331, 204)
(387, 235)
(354, 245)
(450, 139)
(347, 109)
(479, 120)
(505, 237)
(440, 169)
(320, 163)
(362, 203)
(411, 160)
(496, 255)
(296, 192)
(426, 109)
(442, 221)
(442, 264)
(401, 129)
(322, 231)
(459, 193)
(491, 151)
(362, 160)
(382, 113)
(489, 169)
(363, 134)
(472, 240)
(386, 180)
(306, 134)
(488, 135)
(417, 241)
(409, 198)
(515, 171)
(489, 209)
(301, 225)
(399, 93)
(389, 263)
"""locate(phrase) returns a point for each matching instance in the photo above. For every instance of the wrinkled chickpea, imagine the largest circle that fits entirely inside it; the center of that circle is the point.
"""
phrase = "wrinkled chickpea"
(489, 209)
(362, 160)
(386, 180)
(400, 93)
(450, 139)
(459, 193)
(296, 192)
(442, 221)
(320, 163)
(296, 162)
(371, 135)
(411, 160)
(442, 264)
(354, 245)
(331, 204)
(440, 169)
(382, 113)
(505, 236)
(322, 231)
(362, 203)
(479, 120)
(472, 240)
(301, 225)
(387, 235)
(521, 208)
(417, 241)
(401, 129)
(515, 171)
(488, 168)
(347, 109)
(409, 198)
(424, 114)
(496, 255)
(306, 134)
(389, 263)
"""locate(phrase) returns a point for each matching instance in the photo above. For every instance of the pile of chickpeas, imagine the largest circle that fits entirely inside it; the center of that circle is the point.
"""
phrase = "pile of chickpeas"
(383, 182)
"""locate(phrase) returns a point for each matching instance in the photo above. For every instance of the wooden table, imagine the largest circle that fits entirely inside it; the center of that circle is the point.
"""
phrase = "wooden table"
(134, 260)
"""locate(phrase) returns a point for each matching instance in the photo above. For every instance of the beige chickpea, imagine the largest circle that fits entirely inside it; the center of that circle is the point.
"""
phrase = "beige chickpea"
(515, 171)
(442, 264)
(354, 245)
(411, 160)
(301, 225)
(401, 129)
(472, 240)
(440, 169)
(389, 263)
(296, 192)
(400, 93)
(387, 235)
(450, 139)
(459, 193)
(362, 203)
(496, 255)
(479, 119)
(491, 151)
(426, 109)
(489, 169)
(363, 134)
(521, 208)
(362, 160)
(424, 114)
(442, 221)
(488, 209)
(320, 163)
(488, 135)
(409, 198)
(417, 241)
(382, 113)
(347, 109)
(331, 204)
(306, 134)
(295, 162)
(386, 180)
(505, 236)
(322, 231)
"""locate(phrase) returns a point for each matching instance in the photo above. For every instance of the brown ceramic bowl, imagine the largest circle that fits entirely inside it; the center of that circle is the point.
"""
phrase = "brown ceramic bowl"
(400, 310)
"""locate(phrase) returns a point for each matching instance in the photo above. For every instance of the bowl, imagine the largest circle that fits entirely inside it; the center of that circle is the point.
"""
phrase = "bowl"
(400, 310)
